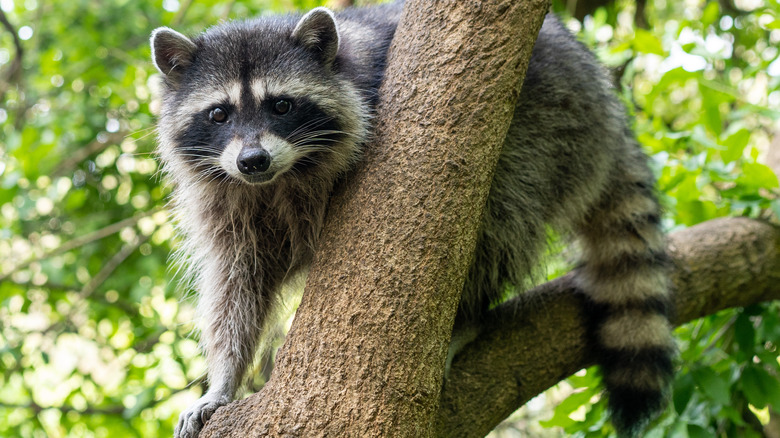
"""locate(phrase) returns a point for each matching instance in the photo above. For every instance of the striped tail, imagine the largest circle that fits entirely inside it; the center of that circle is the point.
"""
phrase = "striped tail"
(624, 277)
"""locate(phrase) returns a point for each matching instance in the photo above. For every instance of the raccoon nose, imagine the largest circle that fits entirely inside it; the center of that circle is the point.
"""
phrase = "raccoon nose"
(252, 161)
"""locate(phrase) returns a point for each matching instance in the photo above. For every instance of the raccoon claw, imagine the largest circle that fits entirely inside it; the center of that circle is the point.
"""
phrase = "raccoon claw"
(193, 419)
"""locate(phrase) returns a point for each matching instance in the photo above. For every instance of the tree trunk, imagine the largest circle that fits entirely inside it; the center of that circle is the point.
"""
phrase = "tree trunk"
(365, 354)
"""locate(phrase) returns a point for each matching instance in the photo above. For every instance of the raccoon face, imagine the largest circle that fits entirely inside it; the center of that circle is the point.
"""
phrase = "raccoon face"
(255, 101)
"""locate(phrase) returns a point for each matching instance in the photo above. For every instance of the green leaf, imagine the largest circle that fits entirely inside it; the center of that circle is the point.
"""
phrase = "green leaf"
(713, 385)
(694, 212)
(745, 334)
(687, 189)
(647, 42)
(695, 431)
(756, 175)
(683, 391)
(710, 115)
(565, 408)
(759, 387)
(675, 77)
(710, 14)
(142, 400)
(735, 145)
(679, 430)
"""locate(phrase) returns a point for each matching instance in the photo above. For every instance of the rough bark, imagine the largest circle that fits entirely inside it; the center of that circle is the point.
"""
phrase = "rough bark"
(532, 342)
(365, 354)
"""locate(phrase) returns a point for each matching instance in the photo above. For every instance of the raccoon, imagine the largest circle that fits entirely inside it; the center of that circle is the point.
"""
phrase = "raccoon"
(260, 120)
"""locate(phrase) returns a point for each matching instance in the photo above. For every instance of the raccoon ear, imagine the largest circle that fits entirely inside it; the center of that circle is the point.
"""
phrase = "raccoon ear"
(171, 51)
(318, 33)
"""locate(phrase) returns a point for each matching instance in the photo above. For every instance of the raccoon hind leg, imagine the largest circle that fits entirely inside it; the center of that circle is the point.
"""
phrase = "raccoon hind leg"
(623, 274)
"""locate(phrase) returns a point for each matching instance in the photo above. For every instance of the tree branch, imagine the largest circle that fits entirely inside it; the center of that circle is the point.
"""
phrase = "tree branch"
(14, 70)
(79, 155)
(532, 342)
(82, 240)
(184, 6)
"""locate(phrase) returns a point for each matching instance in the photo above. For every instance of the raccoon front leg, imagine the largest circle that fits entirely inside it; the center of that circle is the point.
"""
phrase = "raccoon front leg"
(232, 311)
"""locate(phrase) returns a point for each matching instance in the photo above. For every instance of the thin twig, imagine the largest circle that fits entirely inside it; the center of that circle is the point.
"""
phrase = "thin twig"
(83, 240)
(16, 66)
(109, 267)
(226, 12)
(85, 152)
(96, 281)
(179, 17)
(342, 4)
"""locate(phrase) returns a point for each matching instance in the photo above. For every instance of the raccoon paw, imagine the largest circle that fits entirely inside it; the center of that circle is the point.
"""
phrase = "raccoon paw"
(193, 419)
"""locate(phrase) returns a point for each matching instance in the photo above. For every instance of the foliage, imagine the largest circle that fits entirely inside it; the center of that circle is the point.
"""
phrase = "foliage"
(94, 339)
(704, 85)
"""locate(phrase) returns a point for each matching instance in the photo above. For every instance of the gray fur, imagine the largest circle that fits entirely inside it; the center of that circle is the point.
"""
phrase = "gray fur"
(569, 162)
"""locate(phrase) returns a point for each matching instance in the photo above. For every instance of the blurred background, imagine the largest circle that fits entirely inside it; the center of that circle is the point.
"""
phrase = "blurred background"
(96, 337)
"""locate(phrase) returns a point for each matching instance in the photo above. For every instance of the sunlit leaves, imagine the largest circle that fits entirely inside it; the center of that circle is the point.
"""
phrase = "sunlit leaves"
(94, 337)
(704, 87)
(647, 42)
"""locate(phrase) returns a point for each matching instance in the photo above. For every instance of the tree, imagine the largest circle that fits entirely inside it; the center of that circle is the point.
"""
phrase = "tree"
(85, 236)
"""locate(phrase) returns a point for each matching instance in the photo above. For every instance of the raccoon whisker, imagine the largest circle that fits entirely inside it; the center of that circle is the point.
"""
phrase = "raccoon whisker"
(317, 136)
(140, 154)
(317, 148)
(324, 132)
(308, 150)
(212, 150)
(210, 169)
(312, 140)
(211, 173)
(311, 124)
(316, 122)
(202, 155)
(309, 131)
(194, 154)
(314, 160)
(316, 142)
(149, 132)
(299, 133)
(201, 160)
(200, 144)
(146, 131)
(324, 142)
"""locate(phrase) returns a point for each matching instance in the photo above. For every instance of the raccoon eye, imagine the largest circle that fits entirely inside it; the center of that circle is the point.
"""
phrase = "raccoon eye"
(218, 115)
(282, 107)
